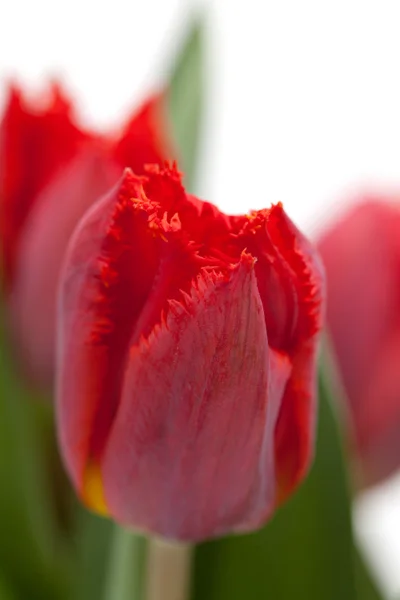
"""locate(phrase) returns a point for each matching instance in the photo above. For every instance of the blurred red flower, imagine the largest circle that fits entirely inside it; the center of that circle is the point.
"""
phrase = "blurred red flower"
(361, 253)
(187, 358)
(51, 170)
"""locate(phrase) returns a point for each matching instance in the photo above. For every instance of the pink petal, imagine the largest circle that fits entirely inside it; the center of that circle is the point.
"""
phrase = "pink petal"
(191, 451)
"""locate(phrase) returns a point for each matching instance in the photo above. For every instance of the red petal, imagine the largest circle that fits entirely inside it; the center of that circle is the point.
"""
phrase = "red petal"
(296, 424)
(47, 230)
(145, 138)
(285, 261)
(361, 253)
(121, 270)
(190, 454)
(377, 420)
(291, 284)
(308, 273)
(35, 141)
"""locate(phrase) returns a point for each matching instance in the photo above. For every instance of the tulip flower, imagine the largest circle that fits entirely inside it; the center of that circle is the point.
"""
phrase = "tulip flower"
(361, 253)
(186, 359)
(51, 171)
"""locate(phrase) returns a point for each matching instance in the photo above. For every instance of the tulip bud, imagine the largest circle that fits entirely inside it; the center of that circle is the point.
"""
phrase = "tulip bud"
(361, 253)
(186, 359)
(51, 171)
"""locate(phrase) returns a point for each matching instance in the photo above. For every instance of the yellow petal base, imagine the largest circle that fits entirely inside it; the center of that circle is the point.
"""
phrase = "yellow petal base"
(93, 490)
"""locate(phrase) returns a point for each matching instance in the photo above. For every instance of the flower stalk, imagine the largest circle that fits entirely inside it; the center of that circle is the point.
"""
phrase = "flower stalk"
(168, 570)
(124, 580)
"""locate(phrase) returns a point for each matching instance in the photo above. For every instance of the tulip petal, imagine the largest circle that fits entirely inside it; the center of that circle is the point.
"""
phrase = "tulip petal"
(47, 230)
(361, 253)
(145, 138)
(190, 453)
(119, 274)
(377, 428)
(112, 253)
(296, 423)
(290, 280)
(35, 141)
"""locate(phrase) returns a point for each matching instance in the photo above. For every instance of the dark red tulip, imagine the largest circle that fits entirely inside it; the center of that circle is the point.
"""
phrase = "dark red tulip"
(187, 358)
(51, 170)
(361, 253)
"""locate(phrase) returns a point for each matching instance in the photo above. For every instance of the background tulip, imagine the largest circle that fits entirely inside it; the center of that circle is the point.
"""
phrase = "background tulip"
(50, 172)
(186, 365)
(361, 253)
(36, 139)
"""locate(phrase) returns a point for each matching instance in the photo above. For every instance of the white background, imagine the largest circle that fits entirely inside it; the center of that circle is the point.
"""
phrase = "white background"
(304, 107)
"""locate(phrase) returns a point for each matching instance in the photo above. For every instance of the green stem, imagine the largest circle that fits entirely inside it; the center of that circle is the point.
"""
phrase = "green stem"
(125, 566)
(168, 570)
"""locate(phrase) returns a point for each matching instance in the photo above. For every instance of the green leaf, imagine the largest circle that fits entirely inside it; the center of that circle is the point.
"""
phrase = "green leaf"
(28, 549)
(306, 551)
(367, 588)
(5, 590)
(93, 540)
(109, 561)
(185, 100)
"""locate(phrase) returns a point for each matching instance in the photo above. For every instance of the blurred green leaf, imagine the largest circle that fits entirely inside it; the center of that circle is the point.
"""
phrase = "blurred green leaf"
(185, 100)
(367, 589)
(93, 544)
(103, 563)
(306, 551)
(28, 548)
(5, 590)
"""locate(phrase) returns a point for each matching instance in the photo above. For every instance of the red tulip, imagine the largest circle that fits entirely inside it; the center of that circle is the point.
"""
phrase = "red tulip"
(186, 364)
(50, 172)
(362, 259)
